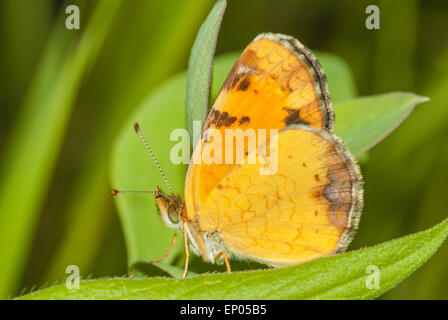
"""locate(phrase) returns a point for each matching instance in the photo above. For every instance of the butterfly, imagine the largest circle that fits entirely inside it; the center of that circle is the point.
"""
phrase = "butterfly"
(308, 207)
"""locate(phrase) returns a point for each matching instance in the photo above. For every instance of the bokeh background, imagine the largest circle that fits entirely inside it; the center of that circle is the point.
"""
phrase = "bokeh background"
(64, 95)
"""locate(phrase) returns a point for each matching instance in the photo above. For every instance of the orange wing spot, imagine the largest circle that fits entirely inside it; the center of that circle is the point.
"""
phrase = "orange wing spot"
(291, 216)
(294, 204)
(225, 120)
(294, 117)
(227, 218)
(237, 189)
(317, 195)
(249, 57)
(243, 120)
(291, 248)
(277, 195)
(299, 234)
(248, 215)
(243, 204)
(244, 84)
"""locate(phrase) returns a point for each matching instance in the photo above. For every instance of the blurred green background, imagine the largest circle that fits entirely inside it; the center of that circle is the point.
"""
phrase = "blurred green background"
(64, 95)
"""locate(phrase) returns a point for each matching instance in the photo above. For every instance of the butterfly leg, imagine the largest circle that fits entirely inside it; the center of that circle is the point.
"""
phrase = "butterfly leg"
(226, 260)
(187, 253)
(173, 242)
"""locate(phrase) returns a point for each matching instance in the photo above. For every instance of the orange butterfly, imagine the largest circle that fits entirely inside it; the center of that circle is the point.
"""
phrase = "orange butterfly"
(309, 206)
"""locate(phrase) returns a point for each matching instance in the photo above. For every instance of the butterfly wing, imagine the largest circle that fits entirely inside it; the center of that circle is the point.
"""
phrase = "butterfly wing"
(307, 209)
(276, 82)
(279, 72)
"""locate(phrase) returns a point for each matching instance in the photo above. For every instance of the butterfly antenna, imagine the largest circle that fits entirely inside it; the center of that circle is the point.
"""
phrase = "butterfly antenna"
(137, 129)
(114, 192)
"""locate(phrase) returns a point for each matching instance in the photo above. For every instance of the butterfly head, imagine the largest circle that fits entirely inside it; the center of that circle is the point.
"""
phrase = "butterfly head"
(170, 208)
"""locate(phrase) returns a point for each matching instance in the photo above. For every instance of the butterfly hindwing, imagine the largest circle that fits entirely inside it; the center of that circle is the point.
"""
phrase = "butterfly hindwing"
(308, 208)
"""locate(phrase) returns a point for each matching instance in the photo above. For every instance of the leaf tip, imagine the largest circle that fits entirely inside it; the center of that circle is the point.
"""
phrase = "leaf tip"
(418, 99)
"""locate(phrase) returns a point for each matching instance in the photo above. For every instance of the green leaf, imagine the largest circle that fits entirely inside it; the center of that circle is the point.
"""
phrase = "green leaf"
(364, 122)
(341, 276)
(200, 67)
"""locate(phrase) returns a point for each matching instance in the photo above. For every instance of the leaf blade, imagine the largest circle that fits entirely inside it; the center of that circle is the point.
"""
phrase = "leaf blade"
(363, 122)
(336, 277)
(200, 67)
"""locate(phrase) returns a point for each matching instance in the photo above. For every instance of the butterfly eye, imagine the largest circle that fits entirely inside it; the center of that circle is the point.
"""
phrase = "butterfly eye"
(174, 214)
